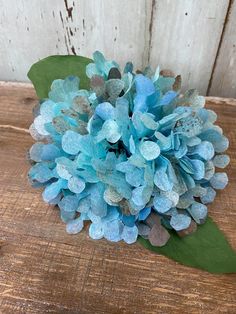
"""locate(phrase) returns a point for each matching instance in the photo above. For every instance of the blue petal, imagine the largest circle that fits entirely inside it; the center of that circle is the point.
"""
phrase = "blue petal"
(198, 211)
(50, 152)
(221, 161)
(168, 98)
(164, 142)
(112, 214)
(180, 222)
(98, 205)
(52, 190)
(130, 234)
(84, 205)
(204, 150)
(47, 110)
(128, 220)
(144, 213)
(71, 142)
(105, 111)
(131, 145)
(113, 230)
(76, 185)
(162, 204)
(149, 150)
(69, 203)
(36, 152)
(71, 84)
(162, 181)
(110, 131)
(219, 180)
(41, 173)
(144, 85)
(93, 217)
(219, 141)
(74, 226)
(135, 177)
(199, 169)
(138, 196)
(96, 231)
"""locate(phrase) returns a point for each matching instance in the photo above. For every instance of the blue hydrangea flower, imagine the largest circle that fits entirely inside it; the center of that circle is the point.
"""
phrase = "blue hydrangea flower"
(131, 155)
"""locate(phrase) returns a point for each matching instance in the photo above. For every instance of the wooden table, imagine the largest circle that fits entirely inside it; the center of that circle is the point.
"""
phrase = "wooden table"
(45, 270)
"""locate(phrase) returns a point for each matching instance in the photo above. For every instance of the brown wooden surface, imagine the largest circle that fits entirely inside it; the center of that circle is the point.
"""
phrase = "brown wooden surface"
(44, 270)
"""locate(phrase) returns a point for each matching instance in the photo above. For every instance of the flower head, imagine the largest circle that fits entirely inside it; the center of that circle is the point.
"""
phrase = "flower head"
(131, 154)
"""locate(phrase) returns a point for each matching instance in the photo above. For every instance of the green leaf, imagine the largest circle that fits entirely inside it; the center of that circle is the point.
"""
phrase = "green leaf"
(44, 72)
(205, 249)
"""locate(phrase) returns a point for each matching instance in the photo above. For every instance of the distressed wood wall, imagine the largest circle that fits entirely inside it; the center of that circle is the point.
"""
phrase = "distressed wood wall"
(196, 38)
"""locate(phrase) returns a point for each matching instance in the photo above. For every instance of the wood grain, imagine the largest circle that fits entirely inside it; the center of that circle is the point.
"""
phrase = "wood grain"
(185, 38)
(184, 35)
(224, 76)
(119, 28)
(45, 270)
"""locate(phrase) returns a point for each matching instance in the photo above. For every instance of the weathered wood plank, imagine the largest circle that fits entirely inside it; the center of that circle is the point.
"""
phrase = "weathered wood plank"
(224, 76)
(182, 35)
(45, 270)
(185, 38)
(119, 28)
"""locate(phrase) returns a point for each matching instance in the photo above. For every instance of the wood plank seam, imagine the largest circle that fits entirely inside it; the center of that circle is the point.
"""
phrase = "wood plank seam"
(219, 45)
(150, 30)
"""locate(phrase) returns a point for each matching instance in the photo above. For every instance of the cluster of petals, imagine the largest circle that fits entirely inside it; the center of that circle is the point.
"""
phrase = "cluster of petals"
(131, 154)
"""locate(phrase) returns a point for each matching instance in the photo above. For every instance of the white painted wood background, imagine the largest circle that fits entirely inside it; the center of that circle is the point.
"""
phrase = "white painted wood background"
(196, 38)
